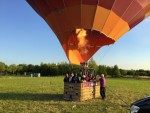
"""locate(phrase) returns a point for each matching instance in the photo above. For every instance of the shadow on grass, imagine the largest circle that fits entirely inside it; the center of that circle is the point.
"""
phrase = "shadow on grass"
(29, 96)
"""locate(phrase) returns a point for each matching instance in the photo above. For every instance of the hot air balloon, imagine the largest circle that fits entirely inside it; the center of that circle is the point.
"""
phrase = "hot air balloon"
(84, 26)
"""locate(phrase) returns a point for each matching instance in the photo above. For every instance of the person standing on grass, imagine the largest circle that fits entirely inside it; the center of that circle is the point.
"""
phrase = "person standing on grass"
(102, 86)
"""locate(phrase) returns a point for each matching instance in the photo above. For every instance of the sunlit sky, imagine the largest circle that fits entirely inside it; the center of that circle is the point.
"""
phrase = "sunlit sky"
(26, 38)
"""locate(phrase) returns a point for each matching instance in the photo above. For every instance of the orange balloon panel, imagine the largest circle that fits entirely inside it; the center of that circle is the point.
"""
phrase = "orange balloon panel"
(84, 26)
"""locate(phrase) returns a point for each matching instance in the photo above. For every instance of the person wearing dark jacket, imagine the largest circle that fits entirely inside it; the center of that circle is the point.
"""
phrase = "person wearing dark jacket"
(66, 78)
(75, 78)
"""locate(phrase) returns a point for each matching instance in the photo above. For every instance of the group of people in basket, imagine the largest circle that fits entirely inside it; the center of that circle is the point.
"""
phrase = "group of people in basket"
(75, 78)
(79, 78)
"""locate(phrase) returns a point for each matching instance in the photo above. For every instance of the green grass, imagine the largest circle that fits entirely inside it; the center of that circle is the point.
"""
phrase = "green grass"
(45, 95)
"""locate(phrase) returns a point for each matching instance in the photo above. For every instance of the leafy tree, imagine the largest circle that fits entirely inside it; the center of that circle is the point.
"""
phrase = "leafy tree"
(30, 68)
(7, 69)
(92, 64)
(102, 69)
(52, 69)
(123, 72)
(19, 69)
(116, 71)
(44, 69)
(141, 72)
(148, 72)
(2, 67)
(63, 68)
(37, 69)
(109, 70)
(24, 68)
(131, 72)
(13, 68)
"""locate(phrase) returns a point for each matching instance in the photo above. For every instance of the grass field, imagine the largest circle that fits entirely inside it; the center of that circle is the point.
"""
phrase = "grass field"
(45, 95)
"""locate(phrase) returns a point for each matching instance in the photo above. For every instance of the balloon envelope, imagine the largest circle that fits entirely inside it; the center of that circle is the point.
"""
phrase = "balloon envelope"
(84, 26)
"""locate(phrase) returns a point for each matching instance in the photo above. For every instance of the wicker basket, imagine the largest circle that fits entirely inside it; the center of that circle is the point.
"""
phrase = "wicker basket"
(81, 91)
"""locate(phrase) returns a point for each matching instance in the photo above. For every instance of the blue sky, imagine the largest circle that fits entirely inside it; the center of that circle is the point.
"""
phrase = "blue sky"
(26, 38)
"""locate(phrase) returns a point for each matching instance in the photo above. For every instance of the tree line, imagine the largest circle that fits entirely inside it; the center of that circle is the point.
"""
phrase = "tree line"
(53, 69)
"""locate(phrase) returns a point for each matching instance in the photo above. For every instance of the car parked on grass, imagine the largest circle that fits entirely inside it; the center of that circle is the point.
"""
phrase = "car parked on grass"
(141, 106)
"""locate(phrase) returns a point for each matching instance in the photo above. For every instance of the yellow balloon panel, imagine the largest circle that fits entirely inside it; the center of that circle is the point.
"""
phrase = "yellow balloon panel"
(110, 23)
(101, 16)
(117, 30)
(74, 57)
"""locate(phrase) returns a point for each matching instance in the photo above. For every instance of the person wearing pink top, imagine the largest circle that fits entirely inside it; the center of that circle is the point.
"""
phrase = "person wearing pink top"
(102, 86)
